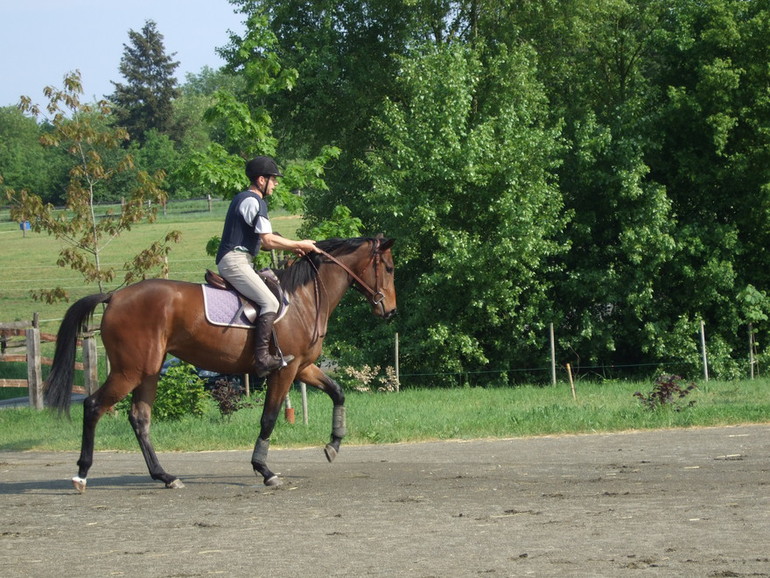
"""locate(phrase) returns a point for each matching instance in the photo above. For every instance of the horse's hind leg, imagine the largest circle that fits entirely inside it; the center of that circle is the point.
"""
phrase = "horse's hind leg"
(140, 418)
(312, 375)
(92, 412)
(94, 407)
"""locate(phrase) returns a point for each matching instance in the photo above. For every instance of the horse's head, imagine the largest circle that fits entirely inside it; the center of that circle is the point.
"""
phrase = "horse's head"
(380, 279)
(365, 262)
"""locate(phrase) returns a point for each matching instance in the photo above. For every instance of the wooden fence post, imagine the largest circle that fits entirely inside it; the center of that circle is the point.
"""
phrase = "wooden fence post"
(703, 351)
(396, 362)
(34, 369)
(90, 364)
(553, 354)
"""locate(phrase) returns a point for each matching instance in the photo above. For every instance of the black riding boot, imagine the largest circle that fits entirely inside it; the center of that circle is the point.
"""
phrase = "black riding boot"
(265, 361)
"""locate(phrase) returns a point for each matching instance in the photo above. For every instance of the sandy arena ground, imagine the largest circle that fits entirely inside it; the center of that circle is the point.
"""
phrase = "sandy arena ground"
(690, 502)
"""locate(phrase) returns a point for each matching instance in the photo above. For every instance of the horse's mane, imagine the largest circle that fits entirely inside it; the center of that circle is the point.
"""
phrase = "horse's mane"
(303, 271)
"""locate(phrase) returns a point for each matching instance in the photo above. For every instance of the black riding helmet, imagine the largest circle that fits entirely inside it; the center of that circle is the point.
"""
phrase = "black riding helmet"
(261, 167)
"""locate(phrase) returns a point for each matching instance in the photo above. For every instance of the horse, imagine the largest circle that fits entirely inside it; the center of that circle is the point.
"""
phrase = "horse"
(143, 322)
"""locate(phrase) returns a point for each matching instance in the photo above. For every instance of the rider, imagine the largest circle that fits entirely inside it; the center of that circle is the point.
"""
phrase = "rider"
(246, 229)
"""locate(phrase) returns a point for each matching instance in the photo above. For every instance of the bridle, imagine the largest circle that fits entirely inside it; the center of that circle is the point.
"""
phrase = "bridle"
(374, 295)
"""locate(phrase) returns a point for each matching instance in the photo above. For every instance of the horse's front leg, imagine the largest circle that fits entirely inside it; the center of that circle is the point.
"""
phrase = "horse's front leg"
(277, 388)
(312, 375)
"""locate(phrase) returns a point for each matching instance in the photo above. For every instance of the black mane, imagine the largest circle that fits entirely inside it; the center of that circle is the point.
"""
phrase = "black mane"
(304, 271)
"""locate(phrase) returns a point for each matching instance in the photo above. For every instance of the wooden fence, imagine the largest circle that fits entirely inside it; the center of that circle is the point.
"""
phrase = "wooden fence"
(20, 342)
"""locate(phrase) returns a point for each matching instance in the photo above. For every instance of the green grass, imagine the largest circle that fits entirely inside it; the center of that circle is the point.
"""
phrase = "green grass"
(412, 415)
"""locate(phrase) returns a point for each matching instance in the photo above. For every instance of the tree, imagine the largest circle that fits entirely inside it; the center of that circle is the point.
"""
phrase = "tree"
(462, 177)
(662, 111)
(247, 124)
(145, 101)
(23, 161)
(597, 60)
(345, 58)
(83, 132)
(714, 156)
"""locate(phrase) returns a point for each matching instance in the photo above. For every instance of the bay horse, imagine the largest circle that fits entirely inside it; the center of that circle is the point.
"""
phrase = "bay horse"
(145, 321)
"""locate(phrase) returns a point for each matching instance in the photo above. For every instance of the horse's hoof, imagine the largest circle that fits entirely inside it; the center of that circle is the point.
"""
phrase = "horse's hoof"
(175, 484)
(273, 482)
(330, 452)
(79, 484)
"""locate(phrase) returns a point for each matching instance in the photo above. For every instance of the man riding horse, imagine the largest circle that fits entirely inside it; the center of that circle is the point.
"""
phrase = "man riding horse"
(247, 228)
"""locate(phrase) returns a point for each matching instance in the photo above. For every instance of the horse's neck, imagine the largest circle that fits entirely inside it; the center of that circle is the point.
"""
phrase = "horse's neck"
(334, 282)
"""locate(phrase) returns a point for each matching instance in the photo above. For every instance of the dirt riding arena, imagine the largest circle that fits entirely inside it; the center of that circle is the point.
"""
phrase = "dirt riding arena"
(663, 503)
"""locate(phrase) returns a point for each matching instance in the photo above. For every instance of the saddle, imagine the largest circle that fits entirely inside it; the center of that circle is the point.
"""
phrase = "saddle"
(248, 308)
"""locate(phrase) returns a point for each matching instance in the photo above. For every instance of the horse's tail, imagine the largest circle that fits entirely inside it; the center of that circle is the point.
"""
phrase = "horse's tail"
(59, 384)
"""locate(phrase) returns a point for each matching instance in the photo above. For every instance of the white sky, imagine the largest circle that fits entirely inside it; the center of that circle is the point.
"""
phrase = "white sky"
(42, 40)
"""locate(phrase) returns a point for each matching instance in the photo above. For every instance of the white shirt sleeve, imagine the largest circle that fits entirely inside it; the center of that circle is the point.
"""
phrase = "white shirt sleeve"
(263, 225)
(249, 209)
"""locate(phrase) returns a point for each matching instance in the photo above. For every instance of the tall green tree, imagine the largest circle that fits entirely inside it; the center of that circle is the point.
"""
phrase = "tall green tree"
(462, 176)
(145, 100)
(345, 55)
(596, 59)
(24, 162)
(714, 157)
(661, 107)
(241, 111)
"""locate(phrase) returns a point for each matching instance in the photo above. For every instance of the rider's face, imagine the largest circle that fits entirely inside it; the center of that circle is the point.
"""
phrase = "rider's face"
(267, 185)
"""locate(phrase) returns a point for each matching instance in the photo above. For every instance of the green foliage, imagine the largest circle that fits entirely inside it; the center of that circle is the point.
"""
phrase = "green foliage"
(755, 304)
(248, 127)
(180, 393)
(342, 224)
(23, 162)
(462, 180)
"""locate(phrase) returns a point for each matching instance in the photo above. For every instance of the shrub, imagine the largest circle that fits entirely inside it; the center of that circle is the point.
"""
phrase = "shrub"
(364, 379)
(668, 391)
(228, 397)
(180, 393)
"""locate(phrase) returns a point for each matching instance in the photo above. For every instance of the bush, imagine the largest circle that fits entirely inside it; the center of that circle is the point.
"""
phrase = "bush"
(180, 393)
(228, 397)
(668, 391)
(367, 378)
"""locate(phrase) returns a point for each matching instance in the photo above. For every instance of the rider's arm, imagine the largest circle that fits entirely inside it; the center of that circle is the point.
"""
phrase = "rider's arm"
(271, 241)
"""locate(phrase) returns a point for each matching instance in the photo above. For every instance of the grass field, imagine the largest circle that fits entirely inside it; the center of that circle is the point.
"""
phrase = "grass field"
(412, 415)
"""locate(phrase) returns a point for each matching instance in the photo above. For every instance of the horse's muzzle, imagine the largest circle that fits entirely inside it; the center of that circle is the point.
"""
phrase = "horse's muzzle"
(390, 314)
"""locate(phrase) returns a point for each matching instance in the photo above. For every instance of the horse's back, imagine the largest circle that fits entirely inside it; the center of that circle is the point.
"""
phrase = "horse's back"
(151, 310)
(154, 298)
(168, 316)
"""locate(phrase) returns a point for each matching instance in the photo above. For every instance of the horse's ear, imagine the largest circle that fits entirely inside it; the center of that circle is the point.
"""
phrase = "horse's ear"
(386, 244)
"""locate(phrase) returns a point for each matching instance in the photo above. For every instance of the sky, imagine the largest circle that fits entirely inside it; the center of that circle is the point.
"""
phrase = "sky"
(43, 40)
